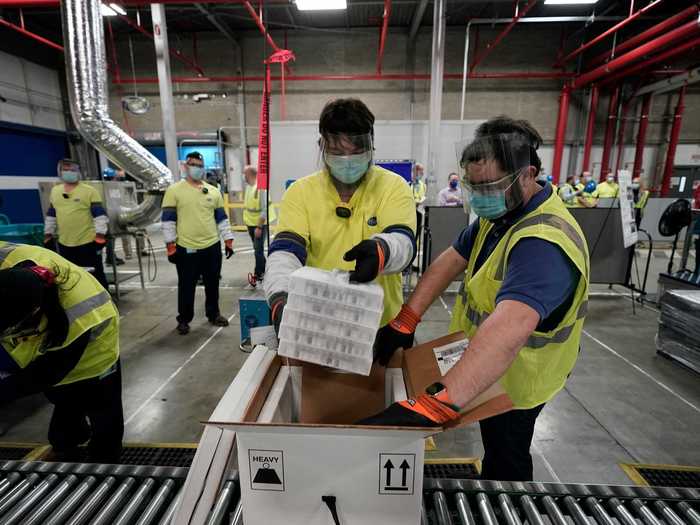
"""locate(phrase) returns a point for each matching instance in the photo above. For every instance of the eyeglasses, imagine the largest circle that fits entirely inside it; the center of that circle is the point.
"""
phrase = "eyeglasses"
(20, 329)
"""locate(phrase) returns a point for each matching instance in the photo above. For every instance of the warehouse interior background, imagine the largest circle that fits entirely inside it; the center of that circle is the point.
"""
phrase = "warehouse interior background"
(624, 403)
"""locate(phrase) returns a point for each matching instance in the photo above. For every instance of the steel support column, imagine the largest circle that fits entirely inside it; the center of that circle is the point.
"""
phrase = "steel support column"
(165, 86)
(590, 128)
(436, 79)
(564, 99)
(641, 135)
(609, 133)
(673, 142)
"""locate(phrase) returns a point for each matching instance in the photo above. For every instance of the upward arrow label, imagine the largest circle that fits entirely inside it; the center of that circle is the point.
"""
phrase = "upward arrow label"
(390, 483)
(404, 469)
(389, 466)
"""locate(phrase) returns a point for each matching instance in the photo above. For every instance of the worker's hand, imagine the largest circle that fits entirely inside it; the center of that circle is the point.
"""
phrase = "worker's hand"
(228, 248)
(49, 242)
(258, 232)
(277, 305)
(423, 411)
(369, 256)
(171, 250)
(100, 241)
(398, 333)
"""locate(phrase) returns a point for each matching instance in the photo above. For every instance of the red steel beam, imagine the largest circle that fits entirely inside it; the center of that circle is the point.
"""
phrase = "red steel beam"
(588, 146)
(135, 3)
(311, 78)
(31, 35)
(677, 35)
(174, 52)
(673, 142)
(609, 133)
(490, 47)
(641, 135)
(260, 25)
(666, 55)
(560, 136)
(605, 34)
(650, 33)
(382, 35)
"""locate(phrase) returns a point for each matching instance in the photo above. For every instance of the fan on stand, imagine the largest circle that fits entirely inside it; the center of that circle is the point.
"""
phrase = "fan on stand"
(674, 218)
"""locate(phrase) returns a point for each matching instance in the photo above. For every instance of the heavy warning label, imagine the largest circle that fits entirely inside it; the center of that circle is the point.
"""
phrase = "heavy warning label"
(266, 469)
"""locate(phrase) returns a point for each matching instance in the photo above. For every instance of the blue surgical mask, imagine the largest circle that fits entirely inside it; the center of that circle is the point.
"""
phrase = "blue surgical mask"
(453, 184)
(195, 172)
(71, 177)
(348, 169)
(489, 206)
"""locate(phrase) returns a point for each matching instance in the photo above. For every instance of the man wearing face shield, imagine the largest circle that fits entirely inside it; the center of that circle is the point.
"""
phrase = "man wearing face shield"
(193, 220)
(77, 217)
(522, 303)
(350, 214)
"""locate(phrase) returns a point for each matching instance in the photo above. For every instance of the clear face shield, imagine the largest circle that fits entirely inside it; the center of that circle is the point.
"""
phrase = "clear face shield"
(491, 168)
(347, 157)
(68, 171)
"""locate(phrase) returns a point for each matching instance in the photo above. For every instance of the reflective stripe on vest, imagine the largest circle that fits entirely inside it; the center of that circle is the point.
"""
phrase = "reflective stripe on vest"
(6, 250)
(80, 309)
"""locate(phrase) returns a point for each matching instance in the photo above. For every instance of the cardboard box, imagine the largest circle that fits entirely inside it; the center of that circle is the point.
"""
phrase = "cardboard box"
(297, 442)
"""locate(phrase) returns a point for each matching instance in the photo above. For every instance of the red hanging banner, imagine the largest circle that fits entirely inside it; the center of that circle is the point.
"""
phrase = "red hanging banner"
(264, 135)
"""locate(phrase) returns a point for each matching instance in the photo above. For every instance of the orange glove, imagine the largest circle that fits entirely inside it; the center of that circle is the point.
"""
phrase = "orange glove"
(171, 250)
(100, 241)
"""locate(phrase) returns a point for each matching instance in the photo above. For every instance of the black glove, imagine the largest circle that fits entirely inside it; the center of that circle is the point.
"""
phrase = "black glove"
(370, 256)
(228, 248)
(426, 410)
(398, 333)
(277, 304)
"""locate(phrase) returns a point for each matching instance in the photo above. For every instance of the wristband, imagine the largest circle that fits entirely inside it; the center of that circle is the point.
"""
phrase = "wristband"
(407, 320)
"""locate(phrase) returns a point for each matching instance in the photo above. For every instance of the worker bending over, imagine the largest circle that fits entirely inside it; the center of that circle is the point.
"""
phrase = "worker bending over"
(193, 220)
(255, 216)
(522, 303)
(350, 214)
(77, 217)
(59, 334)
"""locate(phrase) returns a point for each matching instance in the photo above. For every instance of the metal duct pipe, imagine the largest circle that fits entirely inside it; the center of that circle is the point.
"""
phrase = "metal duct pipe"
(86, 67)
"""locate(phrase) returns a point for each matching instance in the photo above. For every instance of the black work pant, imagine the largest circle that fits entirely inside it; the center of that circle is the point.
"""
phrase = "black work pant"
(89, 409)
(86, 255)
(507, 438)
(259, 247)
(207, 263)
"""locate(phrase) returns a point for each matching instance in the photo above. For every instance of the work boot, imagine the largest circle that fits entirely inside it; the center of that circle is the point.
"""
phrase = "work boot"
(219, 320)
(183, 328)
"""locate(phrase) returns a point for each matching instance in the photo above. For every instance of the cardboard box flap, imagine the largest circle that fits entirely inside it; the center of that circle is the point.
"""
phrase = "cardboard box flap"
(322, 429)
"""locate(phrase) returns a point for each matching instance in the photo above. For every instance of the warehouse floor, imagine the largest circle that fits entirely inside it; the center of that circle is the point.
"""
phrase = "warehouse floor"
(623, 403)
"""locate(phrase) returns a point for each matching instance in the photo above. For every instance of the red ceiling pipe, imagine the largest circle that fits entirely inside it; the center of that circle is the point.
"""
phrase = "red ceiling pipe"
(621, 136)
(677, 35)
(673, 143)
(588, 146)
(174, 52)
(382, 35)
(614, 29)
(641, 135)
(562, 119)
(661, 57)
(310, 78)
(490, 47)
(650, 33)
(31, 35)
(135, 3)
(609, 133)
(260, 25)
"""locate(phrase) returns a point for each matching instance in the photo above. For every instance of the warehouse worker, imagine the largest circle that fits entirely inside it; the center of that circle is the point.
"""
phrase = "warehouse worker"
(607, 189)
(568, 193)
(587, 197)
(193, 220)
(59, 334)
(641, 197)
(255, 217)
(452, 194)
(522, 304)
(350, 215)
(77, 217)
(418, 185)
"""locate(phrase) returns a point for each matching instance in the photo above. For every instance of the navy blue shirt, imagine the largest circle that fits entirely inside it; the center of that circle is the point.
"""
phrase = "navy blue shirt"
(538, 274)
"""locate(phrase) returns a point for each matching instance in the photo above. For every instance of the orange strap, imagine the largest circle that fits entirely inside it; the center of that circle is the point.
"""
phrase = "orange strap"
(407, 320)
(382, 257)
(431, 407)
(229, 243)
(276, 307)
(171, 248)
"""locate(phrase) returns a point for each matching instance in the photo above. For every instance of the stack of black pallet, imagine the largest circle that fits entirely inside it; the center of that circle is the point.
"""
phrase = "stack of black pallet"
(679, 327)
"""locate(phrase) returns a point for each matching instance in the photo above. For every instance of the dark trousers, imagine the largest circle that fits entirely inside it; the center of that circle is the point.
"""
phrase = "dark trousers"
(507, 438)
(259, 247)
(97, 401)
(207, 263)
(86, 255)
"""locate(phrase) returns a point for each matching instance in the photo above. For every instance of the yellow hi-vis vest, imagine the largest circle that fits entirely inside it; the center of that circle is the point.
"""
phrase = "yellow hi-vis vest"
(86, 304)
(541, 367)
(252, 209)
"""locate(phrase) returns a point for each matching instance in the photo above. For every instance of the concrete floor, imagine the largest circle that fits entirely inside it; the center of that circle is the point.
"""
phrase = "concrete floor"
(623, 403)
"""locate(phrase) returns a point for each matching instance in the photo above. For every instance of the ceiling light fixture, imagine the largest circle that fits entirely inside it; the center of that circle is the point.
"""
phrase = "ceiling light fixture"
(320, 5)
(569, 2)
(119, 9)
(105, 10)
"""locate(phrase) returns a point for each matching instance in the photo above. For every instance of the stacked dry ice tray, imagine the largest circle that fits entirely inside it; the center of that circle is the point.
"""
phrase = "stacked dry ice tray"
(329, 321)
(679, 327)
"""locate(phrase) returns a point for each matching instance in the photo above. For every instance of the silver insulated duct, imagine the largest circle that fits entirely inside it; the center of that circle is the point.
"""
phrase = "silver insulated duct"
(86, 67)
